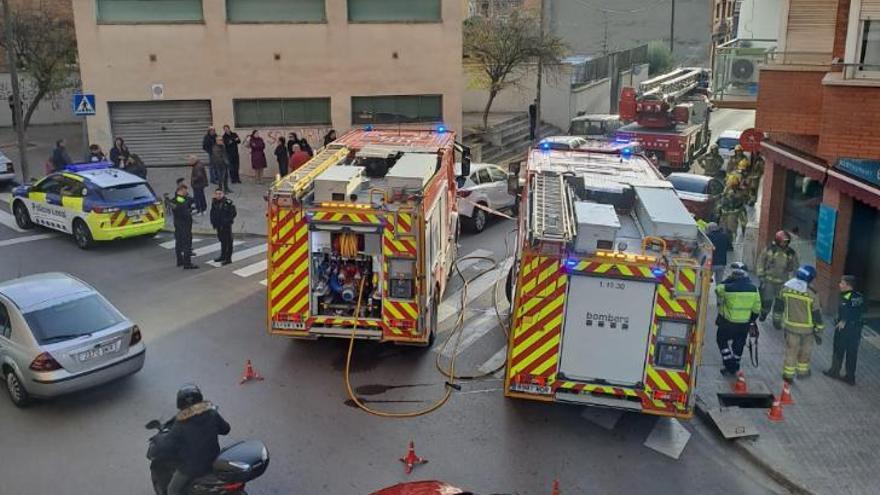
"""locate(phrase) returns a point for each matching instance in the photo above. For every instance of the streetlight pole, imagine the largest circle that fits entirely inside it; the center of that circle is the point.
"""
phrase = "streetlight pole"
(540, 75)
(18, 116)
(672, 29)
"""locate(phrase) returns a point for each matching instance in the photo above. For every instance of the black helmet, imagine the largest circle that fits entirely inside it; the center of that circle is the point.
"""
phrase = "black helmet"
(188, 395)
(738, 269)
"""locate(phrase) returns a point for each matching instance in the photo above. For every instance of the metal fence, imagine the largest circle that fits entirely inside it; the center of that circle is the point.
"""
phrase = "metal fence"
(593, 69)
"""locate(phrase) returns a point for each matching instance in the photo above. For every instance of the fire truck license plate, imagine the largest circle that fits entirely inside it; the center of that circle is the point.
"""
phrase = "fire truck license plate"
(289, 325)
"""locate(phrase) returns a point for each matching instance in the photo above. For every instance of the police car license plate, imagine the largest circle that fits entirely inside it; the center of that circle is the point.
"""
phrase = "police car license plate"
(135, 215)
(108, 348)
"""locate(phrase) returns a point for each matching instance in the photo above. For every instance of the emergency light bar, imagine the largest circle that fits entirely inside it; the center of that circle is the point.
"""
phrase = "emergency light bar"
(82, 167)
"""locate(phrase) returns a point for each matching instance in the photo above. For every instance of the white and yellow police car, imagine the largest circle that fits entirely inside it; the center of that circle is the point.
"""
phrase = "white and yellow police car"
(92, 201)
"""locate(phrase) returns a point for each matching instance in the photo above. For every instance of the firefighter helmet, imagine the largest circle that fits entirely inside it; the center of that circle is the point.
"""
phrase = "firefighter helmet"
(782, 238)
(738, 269)
(742, 165)
(806, 273)
(738, 148)
(733, 180)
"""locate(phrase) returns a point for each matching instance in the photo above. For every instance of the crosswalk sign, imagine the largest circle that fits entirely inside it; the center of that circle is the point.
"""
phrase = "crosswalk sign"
(83, 104)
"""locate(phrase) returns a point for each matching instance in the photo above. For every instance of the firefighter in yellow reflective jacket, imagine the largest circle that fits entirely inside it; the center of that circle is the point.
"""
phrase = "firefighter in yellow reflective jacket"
(802, 321)
(738, 307)
(776, 264)
(737, 156)
(731, 208)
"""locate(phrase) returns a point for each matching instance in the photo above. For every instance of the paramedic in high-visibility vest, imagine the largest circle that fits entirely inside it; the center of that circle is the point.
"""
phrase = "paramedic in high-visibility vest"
(739, 305)
(802, 321)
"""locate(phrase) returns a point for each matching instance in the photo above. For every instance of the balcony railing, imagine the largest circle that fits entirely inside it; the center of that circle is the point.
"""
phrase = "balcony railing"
(820, 60)
(735, 73)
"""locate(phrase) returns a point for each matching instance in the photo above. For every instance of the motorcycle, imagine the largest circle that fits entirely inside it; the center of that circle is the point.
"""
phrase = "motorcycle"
(236, 465)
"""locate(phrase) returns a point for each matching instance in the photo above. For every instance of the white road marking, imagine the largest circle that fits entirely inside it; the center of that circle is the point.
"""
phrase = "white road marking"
(253, 269)
(264, 282)
(30, 238)
(472, 331)
(213, 247)
(452, 305)
(170, 244)
(244, 253)
(8, 220)
(494, 362)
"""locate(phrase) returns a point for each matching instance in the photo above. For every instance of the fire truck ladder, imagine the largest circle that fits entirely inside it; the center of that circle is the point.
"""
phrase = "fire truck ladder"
(299, 181)
(670, 86)
(552, 216)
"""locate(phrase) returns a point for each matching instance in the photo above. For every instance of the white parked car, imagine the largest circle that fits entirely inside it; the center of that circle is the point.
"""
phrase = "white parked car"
(487, 186)
(7, 170)
(726, 142)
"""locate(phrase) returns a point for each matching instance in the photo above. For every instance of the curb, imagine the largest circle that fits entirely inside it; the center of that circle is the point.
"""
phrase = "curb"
(751, 455)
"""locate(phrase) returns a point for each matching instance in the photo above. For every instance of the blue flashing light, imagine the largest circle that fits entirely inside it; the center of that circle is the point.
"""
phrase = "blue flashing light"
(658, 271)
(441, 128)
(368, 127)
(621, 140)
(626, 152)
(545, 146)
(571, 262)
(82, 167)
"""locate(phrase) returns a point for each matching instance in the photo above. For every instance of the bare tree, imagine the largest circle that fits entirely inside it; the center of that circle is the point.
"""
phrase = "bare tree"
(503, 48)
(44, 46)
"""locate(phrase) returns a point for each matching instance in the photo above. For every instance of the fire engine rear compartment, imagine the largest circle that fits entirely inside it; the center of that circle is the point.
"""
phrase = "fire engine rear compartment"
(342, 258)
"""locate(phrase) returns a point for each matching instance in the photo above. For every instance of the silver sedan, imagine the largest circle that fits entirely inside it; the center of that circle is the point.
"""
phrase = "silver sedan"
(59, 335)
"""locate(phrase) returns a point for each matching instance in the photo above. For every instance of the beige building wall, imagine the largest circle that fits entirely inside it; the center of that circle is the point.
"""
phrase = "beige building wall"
(221, 62)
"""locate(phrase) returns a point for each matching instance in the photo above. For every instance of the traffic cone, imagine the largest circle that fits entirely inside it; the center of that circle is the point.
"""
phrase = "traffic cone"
(249, 373)
(785, 399)
(740, 386)
(555, 488)
(775, 413)
(410, 460)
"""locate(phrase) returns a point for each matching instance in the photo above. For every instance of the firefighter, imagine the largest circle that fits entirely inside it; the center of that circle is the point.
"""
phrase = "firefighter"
(713, 163)
(738, 156)
(847, 331)
(776, 264)
(731, 207)
(739, 305)
(798, 307)
(756, 171)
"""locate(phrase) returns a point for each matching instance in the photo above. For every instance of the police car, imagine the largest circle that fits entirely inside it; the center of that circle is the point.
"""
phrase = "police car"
(92, 201)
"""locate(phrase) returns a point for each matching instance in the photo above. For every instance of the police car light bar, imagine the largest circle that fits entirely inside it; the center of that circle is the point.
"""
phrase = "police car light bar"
(82, 167)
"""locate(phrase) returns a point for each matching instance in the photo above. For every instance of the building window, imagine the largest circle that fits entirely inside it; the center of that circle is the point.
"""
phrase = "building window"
(396, 109)
(282, 112)
(869, 51)
(275, 11)
(394, 11)
(149, 11)
(800, 213)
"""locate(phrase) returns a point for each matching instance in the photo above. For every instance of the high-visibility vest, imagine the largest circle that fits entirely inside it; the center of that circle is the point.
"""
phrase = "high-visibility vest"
(798, 312)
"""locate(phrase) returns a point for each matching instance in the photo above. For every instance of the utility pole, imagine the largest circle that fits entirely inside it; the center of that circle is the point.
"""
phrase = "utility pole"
(672, 29)
(16, 90)
(540, 76)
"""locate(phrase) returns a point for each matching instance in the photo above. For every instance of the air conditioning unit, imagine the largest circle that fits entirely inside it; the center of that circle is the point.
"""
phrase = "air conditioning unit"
(743, 71)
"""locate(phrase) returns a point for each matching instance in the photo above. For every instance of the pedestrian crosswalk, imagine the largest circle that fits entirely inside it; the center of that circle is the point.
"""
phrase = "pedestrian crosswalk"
(248, 257)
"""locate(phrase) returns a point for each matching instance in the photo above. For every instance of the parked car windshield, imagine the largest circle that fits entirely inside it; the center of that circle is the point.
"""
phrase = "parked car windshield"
(727, 143)
(71, 319)
(684, 183)
(128, 192)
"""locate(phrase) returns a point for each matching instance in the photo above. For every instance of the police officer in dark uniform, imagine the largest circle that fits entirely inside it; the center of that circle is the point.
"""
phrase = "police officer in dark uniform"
(848, 331)
(181, 207)
(222, 215)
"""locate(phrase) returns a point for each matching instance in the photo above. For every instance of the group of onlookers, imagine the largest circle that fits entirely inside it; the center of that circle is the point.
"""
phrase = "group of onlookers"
(120, 157)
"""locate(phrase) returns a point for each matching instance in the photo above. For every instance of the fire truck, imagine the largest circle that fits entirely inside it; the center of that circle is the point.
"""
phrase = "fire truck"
(364, 235)
(609, 286)
(669, 116)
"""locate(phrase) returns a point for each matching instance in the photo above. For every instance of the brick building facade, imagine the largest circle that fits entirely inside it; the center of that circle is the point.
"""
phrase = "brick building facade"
(822, 179)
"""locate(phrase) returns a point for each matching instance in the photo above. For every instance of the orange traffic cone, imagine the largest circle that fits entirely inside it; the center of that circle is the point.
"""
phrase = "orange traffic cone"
(410, 460)
(785, 399)
(740, 387)
(775, 413)
(249, 373)
(555, 488)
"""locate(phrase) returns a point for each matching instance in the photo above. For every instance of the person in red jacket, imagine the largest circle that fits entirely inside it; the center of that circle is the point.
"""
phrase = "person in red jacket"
(298, 158)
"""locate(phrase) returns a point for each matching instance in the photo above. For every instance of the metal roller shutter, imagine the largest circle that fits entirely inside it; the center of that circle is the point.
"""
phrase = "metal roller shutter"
(870, 10)
(162, 132)
(811, 26)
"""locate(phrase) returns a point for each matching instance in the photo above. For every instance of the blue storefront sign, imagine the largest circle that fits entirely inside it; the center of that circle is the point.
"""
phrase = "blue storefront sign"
(825, 233)
(867, 170)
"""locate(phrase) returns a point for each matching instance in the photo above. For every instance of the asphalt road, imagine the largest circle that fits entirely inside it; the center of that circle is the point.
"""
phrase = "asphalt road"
(200, 326)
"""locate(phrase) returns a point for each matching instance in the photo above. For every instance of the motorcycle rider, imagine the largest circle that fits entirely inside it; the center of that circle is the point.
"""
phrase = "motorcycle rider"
(193, 438)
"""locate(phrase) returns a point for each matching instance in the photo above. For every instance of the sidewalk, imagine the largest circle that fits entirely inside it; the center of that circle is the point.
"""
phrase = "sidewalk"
(828, 442)
(248, 199)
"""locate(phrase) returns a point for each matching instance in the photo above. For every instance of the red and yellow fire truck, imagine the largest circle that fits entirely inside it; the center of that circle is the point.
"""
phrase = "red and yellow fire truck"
(610, 285)
(669, 116)
(372, 219)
